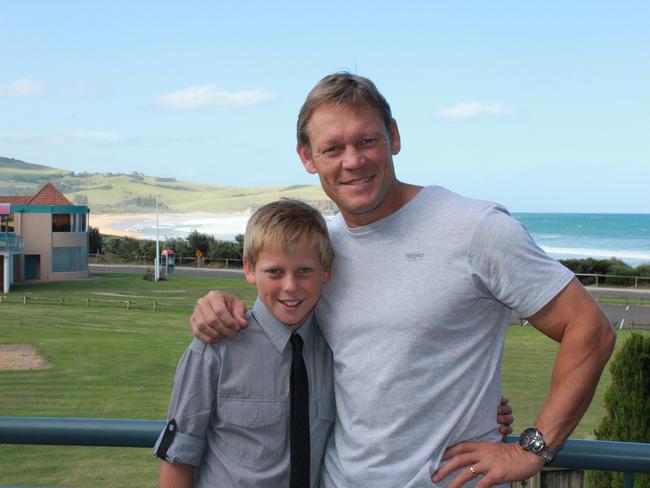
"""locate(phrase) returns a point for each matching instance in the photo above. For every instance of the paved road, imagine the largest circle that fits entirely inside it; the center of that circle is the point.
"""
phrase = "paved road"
(617, 314)
(631, 293)
(136, 268)
(629, 314)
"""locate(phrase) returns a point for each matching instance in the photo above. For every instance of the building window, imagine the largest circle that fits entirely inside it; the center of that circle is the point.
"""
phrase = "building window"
(60, 222)
(67, 259)
(69, 223)
(7, 223)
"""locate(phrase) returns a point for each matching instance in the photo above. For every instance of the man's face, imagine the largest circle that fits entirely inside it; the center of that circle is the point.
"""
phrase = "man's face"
(352, 153)
(288, 283)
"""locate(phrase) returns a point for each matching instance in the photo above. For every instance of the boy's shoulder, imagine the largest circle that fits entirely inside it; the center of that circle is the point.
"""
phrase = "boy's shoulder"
(207, 352)
(233, 350)
(247, 337)
(218, 348)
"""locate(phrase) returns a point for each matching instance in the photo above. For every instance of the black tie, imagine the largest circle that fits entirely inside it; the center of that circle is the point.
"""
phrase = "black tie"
(299, 417)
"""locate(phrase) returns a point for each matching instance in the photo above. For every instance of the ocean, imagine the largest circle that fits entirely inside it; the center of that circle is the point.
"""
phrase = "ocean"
(562, 235)
(601, 236)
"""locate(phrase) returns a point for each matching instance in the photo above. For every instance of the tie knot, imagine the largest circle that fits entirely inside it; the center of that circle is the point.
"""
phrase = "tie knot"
(296, 343)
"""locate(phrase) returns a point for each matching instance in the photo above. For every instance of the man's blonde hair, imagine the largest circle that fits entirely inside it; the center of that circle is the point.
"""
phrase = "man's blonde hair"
(287, 223)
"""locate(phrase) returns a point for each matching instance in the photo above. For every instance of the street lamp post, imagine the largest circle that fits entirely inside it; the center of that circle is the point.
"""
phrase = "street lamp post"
(157, 271)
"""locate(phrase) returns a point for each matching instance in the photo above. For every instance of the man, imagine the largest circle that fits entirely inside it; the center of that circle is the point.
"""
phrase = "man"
(422, 289)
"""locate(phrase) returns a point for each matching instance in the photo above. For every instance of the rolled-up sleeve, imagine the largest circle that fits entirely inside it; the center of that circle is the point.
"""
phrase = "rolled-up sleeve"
(194, 394)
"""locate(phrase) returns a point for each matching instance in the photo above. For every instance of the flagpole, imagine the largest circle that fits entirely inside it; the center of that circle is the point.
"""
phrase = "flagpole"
(157, 272)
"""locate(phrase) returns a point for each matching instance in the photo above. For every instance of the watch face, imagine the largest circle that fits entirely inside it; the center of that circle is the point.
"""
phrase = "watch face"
(530, 440)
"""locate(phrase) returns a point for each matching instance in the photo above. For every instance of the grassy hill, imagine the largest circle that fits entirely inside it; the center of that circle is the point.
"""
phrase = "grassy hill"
(135, 192)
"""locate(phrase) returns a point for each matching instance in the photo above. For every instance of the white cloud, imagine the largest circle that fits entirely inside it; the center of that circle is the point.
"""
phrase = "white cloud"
(80, 88)
(22, 87)
(89, 136)
(468, 110)
(209, 97)
(28, 87)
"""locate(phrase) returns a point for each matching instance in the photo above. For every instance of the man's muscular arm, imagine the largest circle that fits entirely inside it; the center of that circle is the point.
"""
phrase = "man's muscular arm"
(586, 342)
(218, 315)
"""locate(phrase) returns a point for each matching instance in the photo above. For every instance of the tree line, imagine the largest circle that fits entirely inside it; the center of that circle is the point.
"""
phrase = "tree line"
(613, 272)
(612, 266)
(195, 244)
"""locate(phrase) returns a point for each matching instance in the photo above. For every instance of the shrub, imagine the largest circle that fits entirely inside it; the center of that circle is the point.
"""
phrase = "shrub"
(178, 245)
(200, 242)
(627, 402)
(150, 275)
(643, 270)
(620, 270)
(94, 240)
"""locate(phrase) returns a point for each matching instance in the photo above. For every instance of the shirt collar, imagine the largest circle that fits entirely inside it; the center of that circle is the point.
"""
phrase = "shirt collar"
(277, 332)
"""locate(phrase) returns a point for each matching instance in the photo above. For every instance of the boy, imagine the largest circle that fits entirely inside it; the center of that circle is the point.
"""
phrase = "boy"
(239, 408)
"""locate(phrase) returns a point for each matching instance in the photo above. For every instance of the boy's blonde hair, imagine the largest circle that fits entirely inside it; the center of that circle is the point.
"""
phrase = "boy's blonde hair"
(288, 223)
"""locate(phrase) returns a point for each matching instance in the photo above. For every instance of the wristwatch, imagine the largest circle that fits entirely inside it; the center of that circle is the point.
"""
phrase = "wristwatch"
(532, 440)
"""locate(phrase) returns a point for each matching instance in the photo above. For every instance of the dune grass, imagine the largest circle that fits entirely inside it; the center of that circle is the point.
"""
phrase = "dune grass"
(110, 362)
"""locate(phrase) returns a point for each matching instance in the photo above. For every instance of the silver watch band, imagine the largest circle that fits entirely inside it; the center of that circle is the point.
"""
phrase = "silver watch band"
(532, 440)
(546, 454)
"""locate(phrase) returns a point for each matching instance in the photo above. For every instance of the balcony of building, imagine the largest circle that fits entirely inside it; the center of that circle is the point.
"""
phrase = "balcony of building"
(10, 243)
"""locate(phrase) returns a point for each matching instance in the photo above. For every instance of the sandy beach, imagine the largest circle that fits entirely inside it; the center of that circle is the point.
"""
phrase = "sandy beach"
(142, 225)
(106, 223)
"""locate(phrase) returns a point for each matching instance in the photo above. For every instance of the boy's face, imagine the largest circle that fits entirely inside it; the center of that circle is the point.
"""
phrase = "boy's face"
(288, 283)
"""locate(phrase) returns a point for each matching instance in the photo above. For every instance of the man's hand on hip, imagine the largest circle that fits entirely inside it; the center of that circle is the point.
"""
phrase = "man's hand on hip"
(494, 463)
(218, 315)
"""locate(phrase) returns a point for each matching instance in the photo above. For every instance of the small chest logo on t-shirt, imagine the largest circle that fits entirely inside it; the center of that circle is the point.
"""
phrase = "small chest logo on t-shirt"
(414, 256)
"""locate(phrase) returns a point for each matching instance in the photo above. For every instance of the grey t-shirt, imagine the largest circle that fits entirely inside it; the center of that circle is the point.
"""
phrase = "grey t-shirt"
(231, 405)
(416, 314)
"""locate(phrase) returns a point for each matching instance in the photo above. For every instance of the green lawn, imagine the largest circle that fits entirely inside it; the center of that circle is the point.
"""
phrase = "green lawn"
(106, 361)
(110, 362)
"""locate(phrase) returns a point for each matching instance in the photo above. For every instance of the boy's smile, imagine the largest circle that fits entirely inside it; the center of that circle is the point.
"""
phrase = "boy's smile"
(288, 283)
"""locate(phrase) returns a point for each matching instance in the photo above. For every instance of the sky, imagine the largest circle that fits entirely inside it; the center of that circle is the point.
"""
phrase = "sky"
(540, 106)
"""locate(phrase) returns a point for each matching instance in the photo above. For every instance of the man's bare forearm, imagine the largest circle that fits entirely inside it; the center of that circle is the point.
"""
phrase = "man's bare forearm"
(586, 343)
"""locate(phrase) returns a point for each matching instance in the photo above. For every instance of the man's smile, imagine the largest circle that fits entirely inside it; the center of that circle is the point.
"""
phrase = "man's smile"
(358, 181)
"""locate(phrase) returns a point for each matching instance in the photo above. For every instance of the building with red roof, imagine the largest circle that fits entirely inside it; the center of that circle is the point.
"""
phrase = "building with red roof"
(43, 237)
